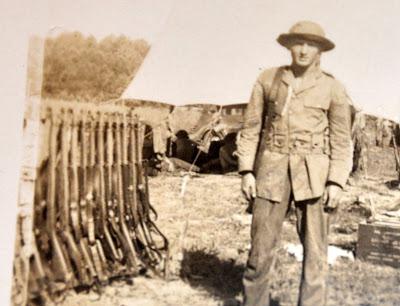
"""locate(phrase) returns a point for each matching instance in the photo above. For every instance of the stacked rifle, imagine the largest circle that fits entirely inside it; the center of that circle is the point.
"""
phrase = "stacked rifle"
(92, 218)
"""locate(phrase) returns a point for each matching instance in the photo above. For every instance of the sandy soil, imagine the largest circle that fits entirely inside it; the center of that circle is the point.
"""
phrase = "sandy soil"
(213, 221)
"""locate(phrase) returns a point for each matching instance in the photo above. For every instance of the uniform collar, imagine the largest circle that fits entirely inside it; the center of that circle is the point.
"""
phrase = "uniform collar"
(309, 80)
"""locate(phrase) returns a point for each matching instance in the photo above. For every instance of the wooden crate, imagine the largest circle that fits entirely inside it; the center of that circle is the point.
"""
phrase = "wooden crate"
(379, 243)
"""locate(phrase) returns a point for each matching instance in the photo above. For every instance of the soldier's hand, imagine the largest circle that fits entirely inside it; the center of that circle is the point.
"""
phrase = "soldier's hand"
(331, 197)
(249, 186)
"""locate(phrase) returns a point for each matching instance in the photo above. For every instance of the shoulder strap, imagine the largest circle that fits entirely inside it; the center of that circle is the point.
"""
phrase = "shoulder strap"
(272, 94)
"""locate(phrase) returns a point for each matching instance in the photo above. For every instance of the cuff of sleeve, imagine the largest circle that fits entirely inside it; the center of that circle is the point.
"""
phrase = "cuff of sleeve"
(245, 165)
(244, 172)
(333, 183)
(337, 179)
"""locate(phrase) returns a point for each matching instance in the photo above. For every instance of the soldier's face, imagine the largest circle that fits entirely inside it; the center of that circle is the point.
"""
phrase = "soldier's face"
(304, 53)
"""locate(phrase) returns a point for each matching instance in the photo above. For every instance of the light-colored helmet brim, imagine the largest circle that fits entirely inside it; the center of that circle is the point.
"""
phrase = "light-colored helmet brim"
(287, 39)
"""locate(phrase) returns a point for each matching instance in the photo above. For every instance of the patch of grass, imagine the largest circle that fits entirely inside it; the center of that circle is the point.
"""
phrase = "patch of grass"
(209, 271)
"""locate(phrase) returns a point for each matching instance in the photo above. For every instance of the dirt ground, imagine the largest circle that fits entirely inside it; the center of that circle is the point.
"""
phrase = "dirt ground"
(211, 225)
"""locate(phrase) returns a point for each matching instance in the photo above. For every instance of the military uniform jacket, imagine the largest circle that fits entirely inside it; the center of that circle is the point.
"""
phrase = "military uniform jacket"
(303, 132)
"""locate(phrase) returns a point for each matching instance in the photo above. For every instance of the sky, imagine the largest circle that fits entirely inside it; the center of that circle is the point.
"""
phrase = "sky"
(211, 51)
(206, 50)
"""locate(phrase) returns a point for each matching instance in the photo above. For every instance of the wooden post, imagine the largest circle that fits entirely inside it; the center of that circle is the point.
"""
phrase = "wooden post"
(29, 165)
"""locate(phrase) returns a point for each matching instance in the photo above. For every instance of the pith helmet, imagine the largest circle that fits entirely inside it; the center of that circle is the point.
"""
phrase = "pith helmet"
(307, 30)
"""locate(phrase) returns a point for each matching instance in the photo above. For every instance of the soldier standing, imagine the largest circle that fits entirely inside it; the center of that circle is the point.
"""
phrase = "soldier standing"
(295, 146)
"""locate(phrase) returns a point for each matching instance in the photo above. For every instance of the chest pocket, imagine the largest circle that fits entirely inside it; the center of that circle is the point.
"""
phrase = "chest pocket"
(320, 101)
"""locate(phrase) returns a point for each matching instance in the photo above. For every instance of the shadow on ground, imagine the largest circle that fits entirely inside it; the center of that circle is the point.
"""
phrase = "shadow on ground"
(221, 278)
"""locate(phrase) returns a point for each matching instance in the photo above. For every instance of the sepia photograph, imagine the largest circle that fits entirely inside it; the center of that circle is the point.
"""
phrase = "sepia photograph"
(201, 153)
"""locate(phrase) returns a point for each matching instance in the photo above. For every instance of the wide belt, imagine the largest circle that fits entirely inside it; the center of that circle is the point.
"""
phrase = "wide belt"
(298, 143)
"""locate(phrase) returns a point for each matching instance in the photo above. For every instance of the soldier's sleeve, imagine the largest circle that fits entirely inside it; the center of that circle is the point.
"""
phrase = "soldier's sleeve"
(340, 136)
(250, 134)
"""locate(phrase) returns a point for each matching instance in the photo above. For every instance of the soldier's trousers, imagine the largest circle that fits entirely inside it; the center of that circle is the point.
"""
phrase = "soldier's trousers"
(312, 227)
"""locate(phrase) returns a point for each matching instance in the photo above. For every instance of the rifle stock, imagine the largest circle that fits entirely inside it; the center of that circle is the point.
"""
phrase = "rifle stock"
(127, 239)
(59, 261)
(65, 201)
(95, 248)
(147, 226)
(74, 206)
(115, 233)
(92, 216)
(103, 220)
(82, 174)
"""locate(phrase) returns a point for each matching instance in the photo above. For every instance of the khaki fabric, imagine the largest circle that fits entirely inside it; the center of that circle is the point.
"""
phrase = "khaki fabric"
(312, 227)
(306, 130)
